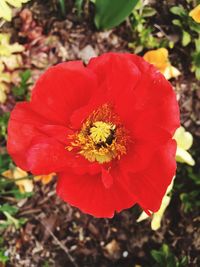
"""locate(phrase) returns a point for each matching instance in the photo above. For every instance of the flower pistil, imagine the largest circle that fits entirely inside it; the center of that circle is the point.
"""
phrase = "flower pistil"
(102, 136)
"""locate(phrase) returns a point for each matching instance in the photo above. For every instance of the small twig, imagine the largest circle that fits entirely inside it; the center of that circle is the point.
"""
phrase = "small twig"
(63, 247)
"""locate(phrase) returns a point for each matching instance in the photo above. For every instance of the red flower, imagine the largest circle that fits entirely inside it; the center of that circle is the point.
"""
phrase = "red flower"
(106, 129)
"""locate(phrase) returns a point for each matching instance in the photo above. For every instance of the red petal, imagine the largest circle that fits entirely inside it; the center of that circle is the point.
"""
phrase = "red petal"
(150, 185)
(30, 139)
(107, 178)
(88, 193)
(61, 90)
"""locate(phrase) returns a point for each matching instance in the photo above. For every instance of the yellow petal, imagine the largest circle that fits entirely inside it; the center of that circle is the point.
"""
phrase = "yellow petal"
(16, 48)
(15, 3)
(183, 156)
(5, 11)
(195, 14)
(37, 178)
(4, 50)
(4, 44)
(45, 179)
(143, 216)
(171, 72)
(3, 96)
(4, 38)
(2, 67)
(7, 49)
(159, 58)
(5, 77)
(19, 173)
(157, 216)
(12, 62)
(169, 188)
(183, 138)
(25, 185)
(7, 174)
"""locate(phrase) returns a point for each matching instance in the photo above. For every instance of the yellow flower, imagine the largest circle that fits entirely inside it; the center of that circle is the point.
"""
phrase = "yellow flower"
(25, 185)
(7, 49)
(195, 14)
(5, 78)
(5, 10)
(45, 179)
(10, 60)
(157, 216)
(160, 59)
(184, 142)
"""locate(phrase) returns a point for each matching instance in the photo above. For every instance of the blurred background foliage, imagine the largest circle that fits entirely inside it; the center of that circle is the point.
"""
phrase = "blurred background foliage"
(171, 43)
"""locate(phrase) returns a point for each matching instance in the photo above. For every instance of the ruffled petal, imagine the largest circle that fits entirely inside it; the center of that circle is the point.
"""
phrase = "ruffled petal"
(150, 185)
(33, 142)
(154, 98)
(61, 90)
(90, 195)
(118, 76)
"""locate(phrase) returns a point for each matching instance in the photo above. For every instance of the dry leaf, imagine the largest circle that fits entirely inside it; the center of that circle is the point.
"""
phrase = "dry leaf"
(25, 185)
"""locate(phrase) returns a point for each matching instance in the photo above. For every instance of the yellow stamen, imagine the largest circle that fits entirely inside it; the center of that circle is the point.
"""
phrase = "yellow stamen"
(101, 138)
(101, 131)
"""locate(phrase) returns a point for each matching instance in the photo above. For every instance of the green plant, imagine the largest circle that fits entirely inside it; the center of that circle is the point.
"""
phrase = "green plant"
(185, 23)
(164, 258)
(7, 211)
(143, 35)
(196, 58)
(3, 125)
(78, 6)
(5, 161)
(8, 187)
(190, 34)
(62, 7)
(191, 199)
(21, 91)
(3, 257)
(111, 13)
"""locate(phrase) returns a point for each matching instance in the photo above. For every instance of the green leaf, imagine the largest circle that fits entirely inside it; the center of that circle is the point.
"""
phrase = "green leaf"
(21, 90)
(3, 125)
(197, 44)
(177, 22)
(78, 5)
(186, 38)
(158, 256)
(3, 257)
(8, 208)
(194, 26)
(62, 7)
(111, 13)
(148, 11)
(197, 73)
(18, 195)
(25, 76)
(5, 161)
(178, 10)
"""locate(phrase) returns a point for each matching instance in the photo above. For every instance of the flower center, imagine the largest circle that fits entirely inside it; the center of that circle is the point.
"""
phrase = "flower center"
(102, 132)
(102, 137)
